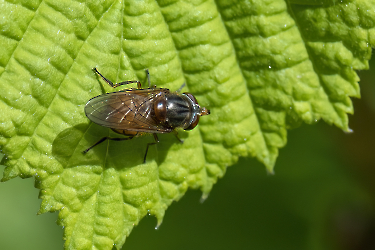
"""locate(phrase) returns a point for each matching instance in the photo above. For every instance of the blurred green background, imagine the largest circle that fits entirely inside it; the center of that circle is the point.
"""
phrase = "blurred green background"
(322, 196)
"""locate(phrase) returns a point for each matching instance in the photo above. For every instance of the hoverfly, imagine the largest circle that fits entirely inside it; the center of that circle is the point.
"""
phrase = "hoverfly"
(134, 112)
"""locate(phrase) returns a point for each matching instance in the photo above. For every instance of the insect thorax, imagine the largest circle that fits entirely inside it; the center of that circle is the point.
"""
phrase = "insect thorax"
(174, 110)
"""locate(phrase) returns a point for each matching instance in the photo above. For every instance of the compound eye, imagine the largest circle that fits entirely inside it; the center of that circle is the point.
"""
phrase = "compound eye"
(191, 97)
(193, 123)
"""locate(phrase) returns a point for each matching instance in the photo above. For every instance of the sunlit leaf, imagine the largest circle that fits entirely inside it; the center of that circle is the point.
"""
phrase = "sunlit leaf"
(261, 67)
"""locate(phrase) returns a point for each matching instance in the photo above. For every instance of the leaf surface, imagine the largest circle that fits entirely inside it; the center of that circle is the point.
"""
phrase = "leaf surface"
(261, 67)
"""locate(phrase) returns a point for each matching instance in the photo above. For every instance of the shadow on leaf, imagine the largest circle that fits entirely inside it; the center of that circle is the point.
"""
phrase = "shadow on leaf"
(69, 144)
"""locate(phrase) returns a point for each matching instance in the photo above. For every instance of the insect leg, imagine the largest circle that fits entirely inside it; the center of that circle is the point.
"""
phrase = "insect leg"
(139, 86)
(114, 85)
(148, 78)
(182, 86)
(151, 143)
(105, 79)
(178, 138)
(107, 138)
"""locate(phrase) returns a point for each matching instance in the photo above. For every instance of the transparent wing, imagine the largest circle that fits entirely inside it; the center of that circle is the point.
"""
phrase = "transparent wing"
(126, 110)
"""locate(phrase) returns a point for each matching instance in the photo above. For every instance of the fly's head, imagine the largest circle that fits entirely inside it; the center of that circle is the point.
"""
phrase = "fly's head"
(196, 111)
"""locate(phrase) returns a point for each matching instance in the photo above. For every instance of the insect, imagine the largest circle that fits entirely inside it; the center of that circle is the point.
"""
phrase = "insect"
(134, 112)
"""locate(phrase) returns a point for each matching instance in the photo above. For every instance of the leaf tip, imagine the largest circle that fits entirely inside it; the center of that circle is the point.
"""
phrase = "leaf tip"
(203, 197)
(158, 225)
(270, 171)
(269, 167)
(348, 130)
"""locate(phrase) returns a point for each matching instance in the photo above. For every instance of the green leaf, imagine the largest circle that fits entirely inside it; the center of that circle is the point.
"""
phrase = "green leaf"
(261, 67)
